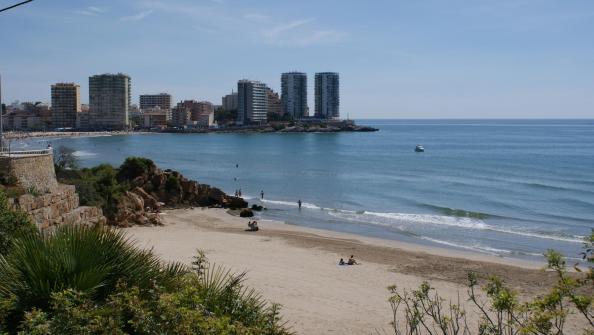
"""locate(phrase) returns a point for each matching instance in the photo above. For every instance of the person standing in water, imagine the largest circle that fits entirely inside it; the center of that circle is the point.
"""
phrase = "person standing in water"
(299, 203)
(262, 194)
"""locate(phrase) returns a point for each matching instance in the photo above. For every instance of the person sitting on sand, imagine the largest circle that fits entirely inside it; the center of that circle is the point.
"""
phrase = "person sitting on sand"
(253, 226)
(342, 262)
(352, 260)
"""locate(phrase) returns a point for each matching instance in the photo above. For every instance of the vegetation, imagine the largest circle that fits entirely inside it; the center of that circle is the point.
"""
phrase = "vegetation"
(92, 280)
(424, 311)
(104, 185)
(223, 116)
(279, 117)
(65, 159)
(134, 167)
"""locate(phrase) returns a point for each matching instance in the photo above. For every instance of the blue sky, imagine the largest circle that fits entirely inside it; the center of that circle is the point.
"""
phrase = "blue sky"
(397, 58)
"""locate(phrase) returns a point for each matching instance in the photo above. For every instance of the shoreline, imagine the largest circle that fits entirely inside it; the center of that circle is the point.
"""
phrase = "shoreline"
(297, 267)
(67, 134)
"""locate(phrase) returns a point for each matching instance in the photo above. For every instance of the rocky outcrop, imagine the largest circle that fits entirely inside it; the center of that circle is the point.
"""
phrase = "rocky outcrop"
(57, 208)
(156, 189)
(134, 210)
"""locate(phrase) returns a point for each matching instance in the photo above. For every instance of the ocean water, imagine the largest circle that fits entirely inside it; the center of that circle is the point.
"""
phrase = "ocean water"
(513, 188)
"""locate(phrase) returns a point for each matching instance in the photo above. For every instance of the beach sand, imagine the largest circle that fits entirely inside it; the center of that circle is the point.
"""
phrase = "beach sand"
(297, 267)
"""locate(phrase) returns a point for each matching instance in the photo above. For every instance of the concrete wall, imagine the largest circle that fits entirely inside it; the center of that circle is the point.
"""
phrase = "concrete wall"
(32, 171)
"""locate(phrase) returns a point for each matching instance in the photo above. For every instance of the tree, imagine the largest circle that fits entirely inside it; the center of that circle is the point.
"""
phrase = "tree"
(65, 159)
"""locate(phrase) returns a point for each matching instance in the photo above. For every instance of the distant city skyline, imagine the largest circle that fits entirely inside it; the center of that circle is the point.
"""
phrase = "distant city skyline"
(396, 59)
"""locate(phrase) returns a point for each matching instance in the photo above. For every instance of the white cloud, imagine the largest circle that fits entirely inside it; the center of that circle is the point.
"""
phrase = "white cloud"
(91, 11)
(318, 37)
(288, 34)
(277, 31)
(137, 17)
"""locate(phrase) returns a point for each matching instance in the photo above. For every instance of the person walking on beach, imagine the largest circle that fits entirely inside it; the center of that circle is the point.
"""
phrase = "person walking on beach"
(299, 203)
(262, 194)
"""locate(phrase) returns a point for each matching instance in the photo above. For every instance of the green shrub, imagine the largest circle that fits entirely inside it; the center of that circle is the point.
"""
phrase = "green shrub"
(86, 259)
(172, 183)
(83, 280)
(425, 311)
(134, 167)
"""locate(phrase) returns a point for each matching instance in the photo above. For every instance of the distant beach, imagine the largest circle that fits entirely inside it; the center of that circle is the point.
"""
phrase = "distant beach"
(298, 267)
(17, 135)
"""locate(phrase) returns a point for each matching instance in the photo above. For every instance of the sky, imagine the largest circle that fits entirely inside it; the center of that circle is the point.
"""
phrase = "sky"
(396, 58)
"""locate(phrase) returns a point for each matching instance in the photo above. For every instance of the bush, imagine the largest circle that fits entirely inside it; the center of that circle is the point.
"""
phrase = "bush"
(84, 280)
(134, 167)
(425, 311)
(172, 183)
(85, 259)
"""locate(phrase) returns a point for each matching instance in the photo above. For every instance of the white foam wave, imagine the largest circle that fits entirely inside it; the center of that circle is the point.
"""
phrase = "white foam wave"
(395, 219)
(292, 204)
(476, 247)
(392, 219)
(80, 153)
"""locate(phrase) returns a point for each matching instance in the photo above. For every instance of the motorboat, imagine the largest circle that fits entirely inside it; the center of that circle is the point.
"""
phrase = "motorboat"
(419, 148)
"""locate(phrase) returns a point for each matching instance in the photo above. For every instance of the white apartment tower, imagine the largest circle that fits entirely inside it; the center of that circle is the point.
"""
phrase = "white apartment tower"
(109, 101)
(252, 105)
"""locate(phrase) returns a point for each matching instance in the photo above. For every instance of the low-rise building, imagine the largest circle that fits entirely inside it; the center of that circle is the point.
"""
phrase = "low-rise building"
(274, 103)
(82, 120)
(181, 116)
(154, 118)
(230, 101)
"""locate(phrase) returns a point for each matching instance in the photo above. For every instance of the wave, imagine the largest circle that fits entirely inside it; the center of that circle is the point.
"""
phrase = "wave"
(459, 212)
(308, 206)
(453, 218)
(81, 153)
(394, 219)
(475, 247)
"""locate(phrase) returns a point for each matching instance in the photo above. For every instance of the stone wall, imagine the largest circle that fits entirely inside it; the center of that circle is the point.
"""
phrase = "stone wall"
(33, 172)
(58, 208)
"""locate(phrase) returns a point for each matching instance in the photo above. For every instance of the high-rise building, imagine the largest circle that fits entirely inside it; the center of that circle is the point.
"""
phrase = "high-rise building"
(274, 102)
(252, 105)
(327, 95)
(65, 105)
(162, 100)
(109, 100)
(230, 102)
(294, 94)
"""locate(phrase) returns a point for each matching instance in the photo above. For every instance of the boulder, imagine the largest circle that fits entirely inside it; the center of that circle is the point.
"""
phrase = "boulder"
(246, 213)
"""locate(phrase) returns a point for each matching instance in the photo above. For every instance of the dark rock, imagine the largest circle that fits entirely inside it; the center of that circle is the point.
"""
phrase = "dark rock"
(257, 208)
(246, 213)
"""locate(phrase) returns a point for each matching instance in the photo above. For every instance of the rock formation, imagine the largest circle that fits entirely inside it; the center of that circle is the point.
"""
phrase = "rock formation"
(156, 189)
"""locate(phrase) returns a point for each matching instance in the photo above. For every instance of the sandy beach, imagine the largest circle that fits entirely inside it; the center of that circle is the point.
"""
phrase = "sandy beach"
(297, 267)
(18, 135)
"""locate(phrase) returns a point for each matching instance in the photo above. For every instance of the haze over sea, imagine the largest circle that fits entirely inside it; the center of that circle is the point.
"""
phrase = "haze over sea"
(513, 188)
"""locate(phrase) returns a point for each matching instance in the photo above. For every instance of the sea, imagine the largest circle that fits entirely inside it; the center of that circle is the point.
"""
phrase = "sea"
(511, 188)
